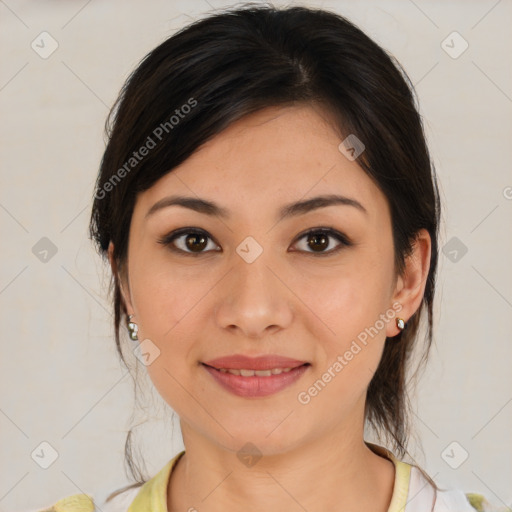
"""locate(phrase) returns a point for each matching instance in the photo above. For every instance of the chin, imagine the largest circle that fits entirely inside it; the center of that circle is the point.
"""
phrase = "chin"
(257, 442)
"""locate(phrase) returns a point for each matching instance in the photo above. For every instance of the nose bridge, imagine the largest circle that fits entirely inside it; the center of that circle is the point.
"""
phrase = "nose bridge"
(255, 276)
(252, 261)
(253, 282)
(253, 298)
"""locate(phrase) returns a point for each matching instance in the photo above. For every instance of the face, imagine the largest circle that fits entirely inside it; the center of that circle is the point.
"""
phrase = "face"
(314, 284)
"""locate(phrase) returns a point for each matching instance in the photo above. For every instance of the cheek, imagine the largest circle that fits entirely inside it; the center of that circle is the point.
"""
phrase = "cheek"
(349, 350)
(350, 297)
(166, 296)
(167, 306)
(347, 303)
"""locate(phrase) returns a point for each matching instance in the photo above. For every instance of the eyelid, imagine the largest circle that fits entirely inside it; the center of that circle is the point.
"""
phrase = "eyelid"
(344, 241)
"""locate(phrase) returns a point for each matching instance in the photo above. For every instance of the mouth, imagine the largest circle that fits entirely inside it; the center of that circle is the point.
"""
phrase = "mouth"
(256, 383)
(247, 372)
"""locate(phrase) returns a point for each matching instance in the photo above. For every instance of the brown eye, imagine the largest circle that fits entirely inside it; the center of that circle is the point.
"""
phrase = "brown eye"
(187, 241)
(318, 240)
(195, 242)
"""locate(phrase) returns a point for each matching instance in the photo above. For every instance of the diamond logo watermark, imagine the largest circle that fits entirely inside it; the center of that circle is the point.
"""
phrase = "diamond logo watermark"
(44, 455)
(454, 455)
(146, 352)
(454, 45)
(249, 455)
(351, 147)
(44, 45)
(249, 250)
(454, 249)
(44, 250)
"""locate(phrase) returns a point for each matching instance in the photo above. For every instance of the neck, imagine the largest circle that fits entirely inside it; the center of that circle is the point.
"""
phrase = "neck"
(338, 472)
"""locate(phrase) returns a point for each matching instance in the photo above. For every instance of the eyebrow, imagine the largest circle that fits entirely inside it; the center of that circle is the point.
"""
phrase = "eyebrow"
(290, 210)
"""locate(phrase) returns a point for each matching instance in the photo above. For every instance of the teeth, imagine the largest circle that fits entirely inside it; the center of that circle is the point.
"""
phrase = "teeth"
(246, 373)
(258, 373)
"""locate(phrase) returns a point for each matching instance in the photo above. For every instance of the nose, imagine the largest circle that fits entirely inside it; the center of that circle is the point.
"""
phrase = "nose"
(254, 300)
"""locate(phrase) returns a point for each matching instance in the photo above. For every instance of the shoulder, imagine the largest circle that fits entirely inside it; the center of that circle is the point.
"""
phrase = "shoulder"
(121, 500)
(479, 503)
(422, 494)
(455, 499)
(118, 501)
(74, 503)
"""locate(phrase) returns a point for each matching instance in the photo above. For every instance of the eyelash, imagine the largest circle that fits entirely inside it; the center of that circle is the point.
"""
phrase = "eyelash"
(169, 239)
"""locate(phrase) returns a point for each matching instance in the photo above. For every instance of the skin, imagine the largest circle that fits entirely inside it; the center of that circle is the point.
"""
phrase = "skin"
(290, 301)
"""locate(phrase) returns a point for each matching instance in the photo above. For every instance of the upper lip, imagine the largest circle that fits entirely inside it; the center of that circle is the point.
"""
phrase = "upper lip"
(266, 362)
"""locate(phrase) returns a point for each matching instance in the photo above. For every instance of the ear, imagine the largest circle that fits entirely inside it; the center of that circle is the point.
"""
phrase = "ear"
(122, 279)
(410, 286)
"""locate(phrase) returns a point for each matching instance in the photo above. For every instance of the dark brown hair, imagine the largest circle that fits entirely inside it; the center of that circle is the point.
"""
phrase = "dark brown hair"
(236, 62)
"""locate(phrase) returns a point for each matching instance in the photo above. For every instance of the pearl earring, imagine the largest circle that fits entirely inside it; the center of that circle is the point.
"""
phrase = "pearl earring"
(400, 323)
(133, 328)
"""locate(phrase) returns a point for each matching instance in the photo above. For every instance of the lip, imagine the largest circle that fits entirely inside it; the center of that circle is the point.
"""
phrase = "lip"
(264, 362)
(254, 387)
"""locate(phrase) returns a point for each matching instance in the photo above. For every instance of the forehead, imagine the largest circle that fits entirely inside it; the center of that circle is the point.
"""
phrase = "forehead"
(272, 157)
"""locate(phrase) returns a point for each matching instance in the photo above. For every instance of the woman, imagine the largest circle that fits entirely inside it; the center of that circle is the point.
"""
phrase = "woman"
(270, 213)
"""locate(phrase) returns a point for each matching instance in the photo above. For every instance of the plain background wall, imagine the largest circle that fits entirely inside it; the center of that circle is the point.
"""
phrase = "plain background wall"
(61, 380)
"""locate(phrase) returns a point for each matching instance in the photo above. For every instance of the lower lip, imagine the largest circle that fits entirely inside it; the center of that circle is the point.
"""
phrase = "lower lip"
(256, 386)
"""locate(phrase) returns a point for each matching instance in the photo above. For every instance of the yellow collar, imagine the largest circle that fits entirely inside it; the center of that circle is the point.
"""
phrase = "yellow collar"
(152, 496)
(402, 478)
